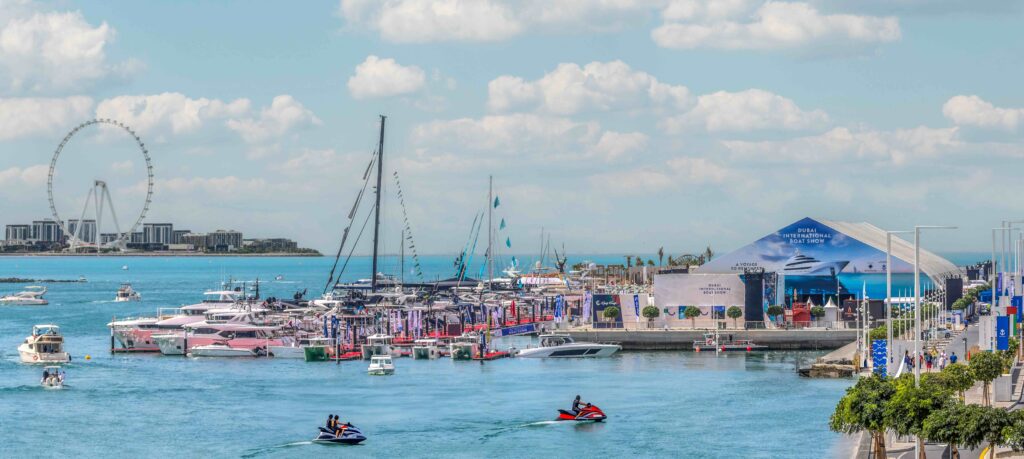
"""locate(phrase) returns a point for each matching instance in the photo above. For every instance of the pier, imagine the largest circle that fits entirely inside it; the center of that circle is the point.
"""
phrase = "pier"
(676, 339)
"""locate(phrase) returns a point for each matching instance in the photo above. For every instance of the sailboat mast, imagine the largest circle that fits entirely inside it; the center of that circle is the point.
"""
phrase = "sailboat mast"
(490, 231)
(376, 208)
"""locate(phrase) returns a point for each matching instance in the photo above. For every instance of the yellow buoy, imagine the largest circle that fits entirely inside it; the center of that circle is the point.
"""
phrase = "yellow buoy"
(87, 357)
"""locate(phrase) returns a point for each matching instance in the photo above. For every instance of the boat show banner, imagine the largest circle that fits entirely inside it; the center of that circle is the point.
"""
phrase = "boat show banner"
(806, 248)
(681, 289)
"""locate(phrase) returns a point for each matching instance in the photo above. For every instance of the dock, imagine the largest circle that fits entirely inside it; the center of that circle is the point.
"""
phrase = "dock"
(682, 339)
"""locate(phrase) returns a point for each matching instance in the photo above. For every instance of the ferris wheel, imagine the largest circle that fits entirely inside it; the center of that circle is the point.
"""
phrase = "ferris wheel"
(99, 196)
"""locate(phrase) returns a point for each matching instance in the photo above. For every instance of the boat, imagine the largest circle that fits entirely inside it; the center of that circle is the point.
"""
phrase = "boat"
(127, 293)
(381, 365)
(803, 265)
(224, 350)
(279, 277)
(45, 345)
(555, 345)
(52, 378)
(376, 344)
(587, 413)
(425, 349)
(31, 296)
(290, 348)
(464, 347)
(350, 435)
(715, 341)
(124, 267)
(318, 349)
(236, 335)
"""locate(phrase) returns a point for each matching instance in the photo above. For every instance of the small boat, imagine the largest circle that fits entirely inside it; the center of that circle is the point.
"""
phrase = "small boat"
(223, 350)
(46, 345)
(713, 341)
(425, 349)
(381, 365)
(124, 267)
(318, 349)
(52, 378)
(464, 347)
(562, 346)
(31, 296)
(127, 293)
(350, 435)
(290, 348)
(279, 277)
(376, 344)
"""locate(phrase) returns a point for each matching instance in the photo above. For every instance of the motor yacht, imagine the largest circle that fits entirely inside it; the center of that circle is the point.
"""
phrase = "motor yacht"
(31, 296)
(136, 334)
(562, 346)
(714, 341)
(235, 335)
(127, 293)
(381, 365)
(426, 349)
(804, 265)
(45, 345)
(464, 347)
(290, 348)
(376, 344)
(225, 350)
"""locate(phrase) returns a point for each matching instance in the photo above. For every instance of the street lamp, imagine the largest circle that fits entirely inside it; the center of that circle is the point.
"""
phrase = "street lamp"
(917, 296)
(888, 294)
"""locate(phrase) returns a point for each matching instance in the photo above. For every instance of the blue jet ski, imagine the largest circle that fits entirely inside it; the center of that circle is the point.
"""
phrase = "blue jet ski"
(350, 436)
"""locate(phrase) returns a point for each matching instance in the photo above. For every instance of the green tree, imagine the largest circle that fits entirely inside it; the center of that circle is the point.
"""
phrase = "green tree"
(983, 424)
(911, 404)
(692, 313)
(650, 262)
(611, 312)
(629, 261)
(734, 312)
(661, 255)
(1013, 432)
(957, 377)
(986, 367)
(651, 313)
(775, 311)
(864, 408)
(946, 426)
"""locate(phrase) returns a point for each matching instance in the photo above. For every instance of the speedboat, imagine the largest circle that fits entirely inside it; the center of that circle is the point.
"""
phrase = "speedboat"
(588, 413)
(290, 348)
(425, 349)
(127, 293)
(224, 350)
(52, 378)
(803, 265)
(562, 346)
(31, 296)
(351, 435)
(46, 345)
(715, 341)
(464, 347)
(381, 365)
(376, 344)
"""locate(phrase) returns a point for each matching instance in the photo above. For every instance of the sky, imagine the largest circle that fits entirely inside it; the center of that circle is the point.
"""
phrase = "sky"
(613, 125)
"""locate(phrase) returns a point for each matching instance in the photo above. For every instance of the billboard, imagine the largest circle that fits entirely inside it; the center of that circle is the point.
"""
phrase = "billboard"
(680, 289)
(806, 248)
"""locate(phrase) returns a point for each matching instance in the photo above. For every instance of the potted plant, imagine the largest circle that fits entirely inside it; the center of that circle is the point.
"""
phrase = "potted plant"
(775, 311)
(650, 313)
(692, 312)
(611, 313)
(734, 312)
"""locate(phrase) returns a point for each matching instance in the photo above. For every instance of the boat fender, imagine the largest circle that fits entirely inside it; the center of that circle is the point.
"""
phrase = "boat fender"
(707, 341)
(35, 357)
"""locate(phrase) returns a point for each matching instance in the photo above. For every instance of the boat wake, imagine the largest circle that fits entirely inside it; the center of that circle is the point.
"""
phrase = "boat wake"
(270, 449)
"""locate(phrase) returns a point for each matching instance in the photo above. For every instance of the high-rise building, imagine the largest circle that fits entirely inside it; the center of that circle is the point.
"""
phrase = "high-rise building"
(107, 238)
(197, 240)
(224, 240)
(47, 230)
(177, 235)
(18, 232)
(87, 233)
(137, 238)
(158, 233)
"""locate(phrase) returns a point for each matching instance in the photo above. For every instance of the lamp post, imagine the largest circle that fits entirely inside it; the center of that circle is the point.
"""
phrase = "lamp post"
(888, 295)
(917, 295)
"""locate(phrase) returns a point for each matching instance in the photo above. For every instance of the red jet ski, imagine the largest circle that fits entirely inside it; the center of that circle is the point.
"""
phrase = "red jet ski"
(588, 413)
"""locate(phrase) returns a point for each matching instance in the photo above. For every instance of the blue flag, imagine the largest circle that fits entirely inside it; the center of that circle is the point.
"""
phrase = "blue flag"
(496, 202)
(502, 225)
(508, 242)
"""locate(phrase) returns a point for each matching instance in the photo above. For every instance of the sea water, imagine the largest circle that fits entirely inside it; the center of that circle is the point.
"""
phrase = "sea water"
(660, 404)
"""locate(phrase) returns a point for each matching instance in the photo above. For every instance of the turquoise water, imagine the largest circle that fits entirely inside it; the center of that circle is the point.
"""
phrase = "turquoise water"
(665, 404)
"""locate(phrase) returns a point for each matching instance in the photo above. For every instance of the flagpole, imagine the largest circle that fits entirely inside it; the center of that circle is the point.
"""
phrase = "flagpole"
(490, 232)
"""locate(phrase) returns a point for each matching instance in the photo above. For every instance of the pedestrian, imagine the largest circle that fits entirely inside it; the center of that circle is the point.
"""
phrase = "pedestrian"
(907, 361)
(942, 361)
(928, 361)
(952, 357)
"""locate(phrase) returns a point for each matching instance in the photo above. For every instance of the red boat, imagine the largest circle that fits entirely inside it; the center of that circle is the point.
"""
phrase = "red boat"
(588, 413)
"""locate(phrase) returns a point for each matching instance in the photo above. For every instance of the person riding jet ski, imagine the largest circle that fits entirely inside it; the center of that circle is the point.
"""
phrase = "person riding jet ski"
(577, 404)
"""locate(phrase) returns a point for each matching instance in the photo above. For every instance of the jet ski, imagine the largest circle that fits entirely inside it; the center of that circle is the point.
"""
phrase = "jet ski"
(350, 436)
(587, 413)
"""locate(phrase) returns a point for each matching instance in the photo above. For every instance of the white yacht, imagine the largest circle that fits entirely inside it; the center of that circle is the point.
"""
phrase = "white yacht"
(31, 296)
(562, 346)
(127, 293)
(376, 344)
(464, 347)
(46, 345)
(223, 350)
(803, 265)
(381, 365)
(425, 349)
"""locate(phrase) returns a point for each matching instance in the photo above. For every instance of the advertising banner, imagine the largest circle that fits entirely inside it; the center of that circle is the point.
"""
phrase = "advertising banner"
(878, 358)
(1002, 333)
(636, 306)
(679, 289)
(601, 302)
(806, 248)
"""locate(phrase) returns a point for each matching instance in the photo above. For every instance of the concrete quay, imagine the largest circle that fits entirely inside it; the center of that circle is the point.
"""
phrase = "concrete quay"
(682, 339)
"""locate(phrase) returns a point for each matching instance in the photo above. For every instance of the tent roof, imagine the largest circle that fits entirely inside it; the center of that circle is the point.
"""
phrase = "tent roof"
(932, 265)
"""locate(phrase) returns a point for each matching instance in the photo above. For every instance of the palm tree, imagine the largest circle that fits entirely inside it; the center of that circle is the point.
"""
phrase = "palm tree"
(629, 261)
(708, 253)
(661, 255)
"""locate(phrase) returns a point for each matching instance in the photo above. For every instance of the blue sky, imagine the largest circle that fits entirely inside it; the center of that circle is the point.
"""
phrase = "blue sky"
(617, 125)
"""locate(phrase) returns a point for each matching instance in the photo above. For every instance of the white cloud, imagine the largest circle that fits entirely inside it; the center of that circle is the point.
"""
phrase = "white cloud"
(571, 89)
(518, 134)
(55, 51)
(423, 21)
(753, 109)
(31, 176)
(975, 111)
(377, 77)
(617, 145)
(168, 112)
(773, 25)
(841, 144)
(284, 114)
(38, 116)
